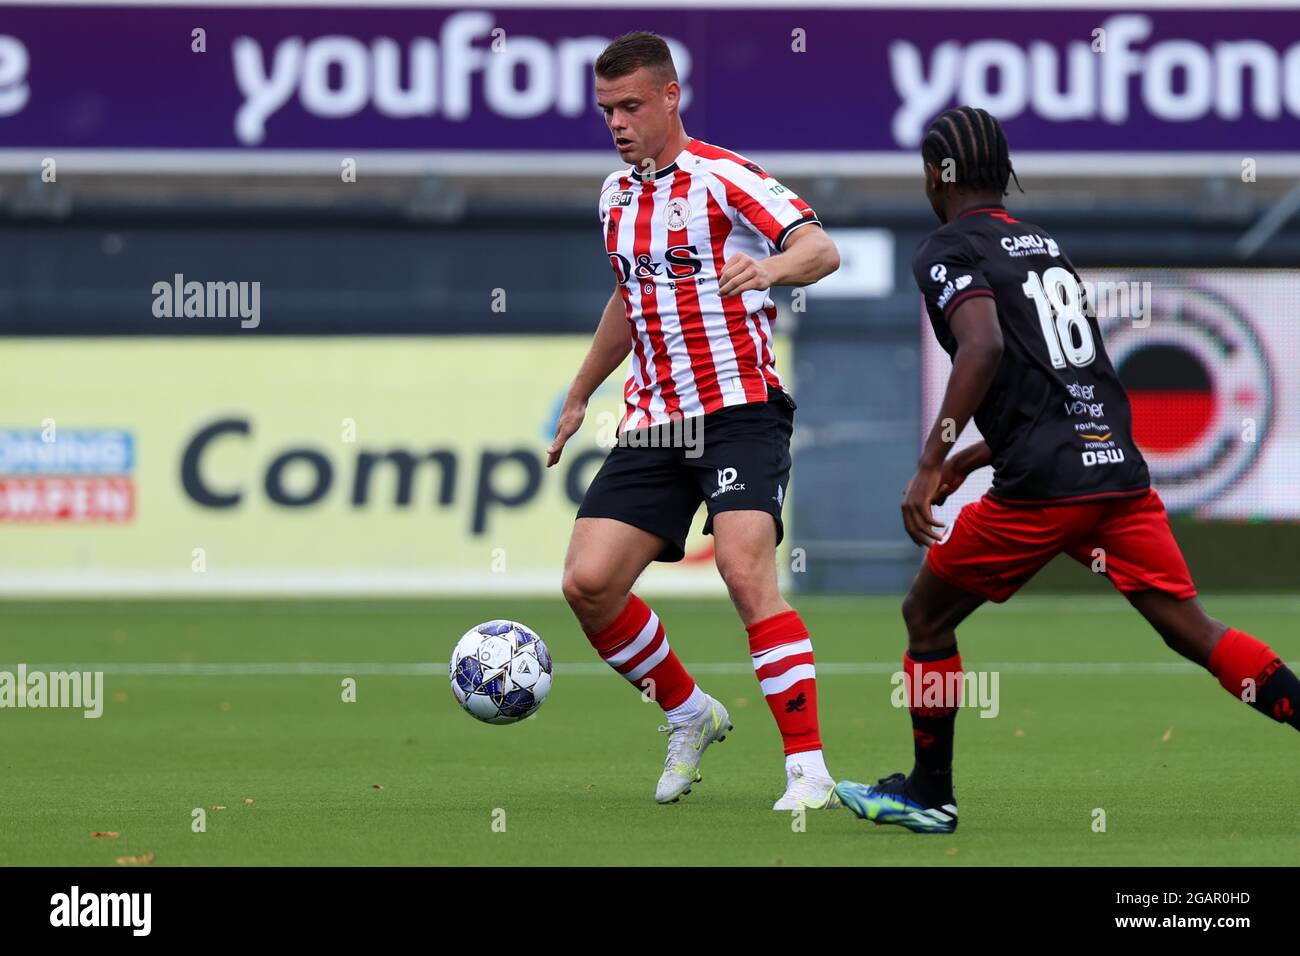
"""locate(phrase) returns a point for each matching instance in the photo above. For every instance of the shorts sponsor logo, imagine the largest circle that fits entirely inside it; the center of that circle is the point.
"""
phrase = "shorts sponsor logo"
(61, 474)
(727, 482)
(938, 272)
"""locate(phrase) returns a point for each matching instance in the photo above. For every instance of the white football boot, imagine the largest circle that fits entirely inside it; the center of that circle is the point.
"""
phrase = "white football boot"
(686, 744)
(808, 792)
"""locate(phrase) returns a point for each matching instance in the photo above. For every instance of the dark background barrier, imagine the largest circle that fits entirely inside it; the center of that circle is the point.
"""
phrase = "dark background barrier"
(429, 258)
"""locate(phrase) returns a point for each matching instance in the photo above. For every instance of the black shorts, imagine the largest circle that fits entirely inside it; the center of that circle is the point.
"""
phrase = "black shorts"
(734, 459)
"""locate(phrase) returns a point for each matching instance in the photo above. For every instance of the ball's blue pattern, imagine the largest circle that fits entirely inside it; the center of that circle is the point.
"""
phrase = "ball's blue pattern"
(517, 703)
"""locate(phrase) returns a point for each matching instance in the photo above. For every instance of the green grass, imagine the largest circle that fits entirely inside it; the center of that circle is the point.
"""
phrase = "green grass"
(1184, 774)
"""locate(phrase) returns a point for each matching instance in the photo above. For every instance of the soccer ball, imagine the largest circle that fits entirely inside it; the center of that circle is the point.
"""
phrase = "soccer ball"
(500, 672)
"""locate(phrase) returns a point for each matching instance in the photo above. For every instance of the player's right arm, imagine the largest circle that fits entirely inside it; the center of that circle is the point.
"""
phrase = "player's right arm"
(974, 324)
(609, 348)
(956, 468)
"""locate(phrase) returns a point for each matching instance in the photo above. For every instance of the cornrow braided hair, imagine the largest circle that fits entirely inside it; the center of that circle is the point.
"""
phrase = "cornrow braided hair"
(973, 139)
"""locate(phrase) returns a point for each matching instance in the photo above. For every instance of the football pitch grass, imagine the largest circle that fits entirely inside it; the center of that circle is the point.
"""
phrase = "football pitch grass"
(213, 704)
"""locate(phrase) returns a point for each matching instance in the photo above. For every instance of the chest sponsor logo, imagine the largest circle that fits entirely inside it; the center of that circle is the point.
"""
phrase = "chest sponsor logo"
(1104, 456)
(622, 197)
(679, 262)
(1030, 245)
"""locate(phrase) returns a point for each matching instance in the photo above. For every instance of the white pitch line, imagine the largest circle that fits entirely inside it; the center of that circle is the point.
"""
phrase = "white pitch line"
(580, 669)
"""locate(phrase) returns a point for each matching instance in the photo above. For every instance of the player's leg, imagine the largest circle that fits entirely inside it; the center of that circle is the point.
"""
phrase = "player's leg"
(605, 558)
(638, 509)
(1245, 666)
(993, 549)
(780, 648)
(743, 471)
(1144, 562)
(932, 610)
(923, 801)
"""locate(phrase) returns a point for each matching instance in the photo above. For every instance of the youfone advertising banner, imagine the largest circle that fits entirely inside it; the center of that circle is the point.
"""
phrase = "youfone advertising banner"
(300, 466)
(1208, 360)
(846, 88)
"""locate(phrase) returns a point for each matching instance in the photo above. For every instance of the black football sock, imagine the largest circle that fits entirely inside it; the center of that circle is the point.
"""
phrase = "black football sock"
(931, 678)
(1249, 670)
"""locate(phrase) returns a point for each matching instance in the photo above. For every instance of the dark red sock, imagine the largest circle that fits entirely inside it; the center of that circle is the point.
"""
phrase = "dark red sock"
(933, 681)
(1249, 670)
(635, 645)
(783, 661)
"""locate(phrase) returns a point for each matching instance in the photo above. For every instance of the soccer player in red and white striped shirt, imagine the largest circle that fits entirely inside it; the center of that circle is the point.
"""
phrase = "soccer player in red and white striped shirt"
(690, 231)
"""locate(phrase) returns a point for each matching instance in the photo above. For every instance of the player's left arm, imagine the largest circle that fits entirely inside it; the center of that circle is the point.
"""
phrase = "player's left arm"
(809, 254)
(974, 324)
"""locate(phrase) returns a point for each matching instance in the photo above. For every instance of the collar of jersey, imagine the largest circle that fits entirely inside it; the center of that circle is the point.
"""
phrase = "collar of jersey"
(661, 173)
(995, 207)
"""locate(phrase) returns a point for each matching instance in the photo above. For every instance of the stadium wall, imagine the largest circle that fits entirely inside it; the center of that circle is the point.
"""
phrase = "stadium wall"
(380, 428)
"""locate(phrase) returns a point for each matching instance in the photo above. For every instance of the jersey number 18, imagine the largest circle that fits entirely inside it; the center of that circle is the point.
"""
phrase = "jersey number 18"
(1059, 301)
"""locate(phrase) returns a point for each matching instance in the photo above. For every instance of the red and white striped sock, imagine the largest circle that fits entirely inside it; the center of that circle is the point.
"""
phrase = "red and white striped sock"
(783, 661)
(635, 645)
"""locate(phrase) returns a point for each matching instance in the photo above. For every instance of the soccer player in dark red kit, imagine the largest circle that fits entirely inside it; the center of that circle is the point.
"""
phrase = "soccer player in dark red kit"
(696, 235)
(1030, 367)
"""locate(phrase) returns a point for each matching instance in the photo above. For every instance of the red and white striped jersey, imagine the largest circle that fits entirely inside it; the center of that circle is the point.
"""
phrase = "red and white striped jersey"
(668, 236)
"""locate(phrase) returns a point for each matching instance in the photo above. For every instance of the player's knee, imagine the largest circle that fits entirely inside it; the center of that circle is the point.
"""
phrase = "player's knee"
(747, 582)
(923, 629)
(1197, 639)
(586, 589)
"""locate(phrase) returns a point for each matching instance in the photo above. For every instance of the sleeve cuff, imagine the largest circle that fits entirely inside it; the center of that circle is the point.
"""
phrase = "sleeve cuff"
(969, 293)
(785, 233)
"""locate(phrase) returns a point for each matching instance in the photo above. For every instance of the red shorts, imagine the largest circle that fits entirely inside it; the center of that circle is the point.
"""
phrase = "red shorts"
(995, 547)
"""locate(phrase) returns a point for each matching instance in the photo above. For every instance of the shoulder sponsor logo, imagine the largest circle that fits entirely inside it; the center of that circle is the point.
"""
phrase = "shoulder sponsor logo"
(622, 197)
(951, 288)
(779, 191)
(938, 272)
